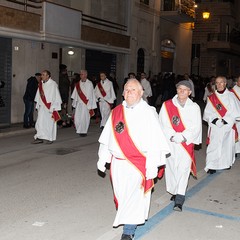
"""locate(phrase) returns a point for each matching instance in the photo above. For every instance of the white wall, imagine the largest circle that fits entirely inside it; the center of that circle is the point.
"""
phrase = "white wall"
(29, 59)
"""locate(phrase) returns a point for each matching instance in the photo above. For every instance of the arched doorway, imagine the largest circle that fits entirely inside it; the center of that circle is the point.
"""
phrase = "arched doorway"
(167, 55)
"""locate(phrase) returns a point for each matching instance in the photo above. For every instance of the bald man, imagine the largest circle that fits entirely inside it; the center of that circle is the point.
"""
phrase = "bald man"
(133, 143)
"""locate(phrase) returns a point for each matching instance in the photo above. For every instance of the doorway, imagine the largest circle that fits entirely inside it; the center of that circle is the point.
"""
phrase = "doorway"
(5, 78)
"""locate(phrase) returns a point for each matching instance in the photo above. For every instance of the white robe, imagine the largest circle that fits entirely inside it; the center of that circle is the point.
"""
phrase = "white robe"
(147, 89)
(45, 125)
(237, 144)
(145, 131)
(178, 165)
(104, 106)
(221, 149)
(81, 115)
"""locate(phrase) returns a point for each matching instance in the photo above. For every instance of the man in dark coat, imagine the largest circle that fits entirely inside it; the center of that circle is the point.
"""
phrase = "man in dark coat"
(28, 98)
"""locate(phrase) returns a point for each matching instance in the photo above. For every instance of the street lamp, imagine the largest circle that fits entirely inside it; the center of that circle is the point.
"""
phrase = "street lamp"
(206, 14)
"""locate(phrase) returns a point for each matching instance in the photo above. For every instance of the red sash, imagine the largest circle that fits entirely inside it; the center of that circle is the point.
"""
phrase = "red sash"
(233, 90)
(84, 98)
(178, 126)
(101, 89)
(130, 151)
(217, 104)
(55, 115)
(219, 107)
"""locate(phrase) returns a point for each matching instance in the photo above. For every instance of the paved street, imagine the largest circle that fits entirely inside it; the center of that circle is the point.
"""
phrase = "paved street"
(53, 192)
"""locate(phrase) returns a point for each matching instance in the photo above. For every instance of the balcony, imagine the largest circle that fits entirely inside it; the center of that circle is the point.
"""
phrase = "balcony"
(50, 26)
(181, 11)
(223, 42)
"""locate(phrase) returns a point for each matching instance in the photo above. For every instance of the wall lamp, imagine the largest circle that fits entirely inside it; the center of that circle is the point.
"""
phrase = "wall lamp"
(206, 14)
(70, 52)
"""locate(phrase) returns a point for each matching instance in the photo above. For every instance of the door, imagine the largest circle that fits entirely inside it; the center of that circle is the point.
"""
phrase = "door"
(5, 77)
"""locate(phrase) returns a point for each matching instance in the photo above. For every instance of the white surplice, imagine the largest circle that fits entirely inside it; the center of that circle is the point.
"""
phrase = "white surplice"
(147, 89)
(237, 144)
(178, 165)
(145, 131)
(104, 102)
(45, 125)
(81, 114)
(221, 148)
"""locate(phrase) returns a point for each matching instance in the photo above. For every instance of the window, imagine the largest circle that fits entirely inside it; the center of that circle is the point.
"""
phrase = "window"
(145, 2)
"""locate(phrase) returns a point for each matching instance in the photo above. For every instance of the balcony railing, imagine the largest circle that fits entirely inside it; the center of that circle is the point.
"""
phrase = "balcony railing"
(28, 3)
(36, 5)
(178, 10)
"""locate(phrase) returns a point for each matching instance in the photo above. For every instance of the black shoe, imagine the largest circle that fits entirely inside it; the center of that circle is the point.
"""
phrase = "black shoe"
(102, 127)
(173, 198)
(211, 171)
(82, 134)
(48, 142)
(37, 141)
(127, 237)
(228, 168)
(177, 207)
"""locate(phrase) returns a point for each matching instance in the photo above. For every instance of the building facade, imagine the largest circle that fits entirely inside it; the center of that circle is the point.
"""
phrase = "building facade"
(104, 35)
(216, 41)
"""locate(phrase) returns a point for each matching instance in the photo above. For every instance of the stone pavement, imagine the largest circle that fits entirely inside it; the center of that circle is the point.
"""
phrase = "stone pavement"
(53, 192)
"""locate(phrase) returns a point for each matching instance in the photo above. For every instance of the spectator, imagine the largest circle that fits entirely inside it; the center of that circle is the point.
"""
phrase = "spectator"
(28, 98)
(64, 86)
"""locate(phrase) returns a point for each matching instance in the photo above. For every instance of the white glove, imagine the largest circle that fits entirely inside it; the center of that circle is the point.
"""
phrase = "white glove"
(151, 173)
(219, 123)
(101, 166)
(178, 138)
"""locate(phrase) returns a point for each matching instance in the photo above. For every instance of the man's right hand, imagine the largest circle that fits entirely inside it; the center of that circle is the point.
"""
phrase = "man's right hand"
(101, 166)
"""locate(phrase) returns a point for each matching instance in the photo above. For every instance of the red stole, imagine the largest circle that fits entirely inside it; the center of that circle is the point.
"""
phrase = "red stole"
(55, 114)
(220, 108)
(130, 151)
(84, 98)
(178, 126)
(217, 104)
(101, 89)
(233, 90)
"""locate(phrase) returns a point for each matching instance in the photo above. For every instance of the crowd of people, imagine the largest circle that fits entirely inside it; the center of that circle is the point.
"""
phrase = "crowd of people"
(139, 142)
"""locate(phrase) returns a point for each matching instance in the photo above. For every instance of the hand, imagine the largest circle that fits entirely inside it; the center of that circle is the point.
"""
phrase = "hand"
(101, 166)
(151, 173)
(178, 138)
(219, 123)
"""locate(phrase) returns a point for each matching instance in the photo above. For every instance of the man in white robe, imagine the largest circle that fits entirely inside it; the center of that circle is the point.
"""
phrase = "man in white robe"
(84, 102)
(48, 102)
(236, 91)
(147, 94)
(132, 132)
(186, 76)
(180, 119)
(105, 95)
(220, 113)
